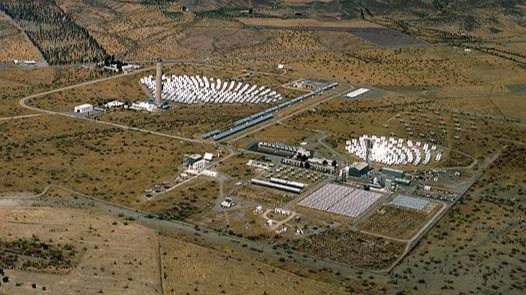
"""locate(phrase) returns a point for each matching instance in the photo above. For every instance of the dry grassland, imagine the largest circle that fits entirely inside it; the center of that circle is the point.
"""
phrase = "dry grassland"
(186, 202)
(130, 29)
(346, 246)
(190, 268)
(17, 83)
(397, 223)
(281, 133)
(16, 47)
(307, 22)
(188, 121)
(262, 195)
(236, 166)
(281, 41)
(14, 44)
(117, 258)
(124, 88)
(478, 247)
(104, 162)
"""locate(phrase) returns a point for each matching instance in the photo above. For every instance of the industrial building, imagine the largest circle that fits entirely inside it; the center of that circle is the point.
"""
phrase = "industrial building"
(328, 169)
(282, 187)
(143, 106)
(357, 92)
(189, 160)
(83, 108)
(114, 104)
(392, 172)
(358, 169)
(277, 148)
(410, 202)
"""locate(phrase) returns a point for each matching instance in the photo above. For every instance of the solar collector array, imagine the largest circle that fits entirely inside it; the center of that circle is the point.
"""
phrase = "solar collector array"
(341, 200)
(410, 202)
(256, 118)
(355, 203)
(326, 197)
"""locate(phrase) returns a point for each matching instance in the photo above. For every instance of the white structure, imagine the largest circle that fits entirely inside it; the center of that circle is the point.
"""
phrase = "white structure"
(260, 165)
(209, 173)
(282, 211)
(357, 92)
(130, 68)
(227, 203)
(113, 104)
(288, 183)
(83, 108)
(282, 230)
(276, 185)
(208, 157)
(281, 67)
(143, 106)
(202, 90)
(199, 165)
(393, 151)
(341, 200)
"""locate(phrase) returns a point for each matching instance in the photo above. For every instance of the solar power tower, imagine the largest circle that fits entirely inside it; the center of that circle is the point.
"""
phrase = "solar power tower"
(368, 147)
(158, 82)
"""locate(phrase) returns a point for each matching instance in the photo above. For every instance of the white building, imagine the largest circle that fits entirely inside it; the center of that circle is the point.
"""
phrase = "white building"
(83, 108)
(143, 106)
(357, 92)
(209, 173)
(199, 165)
(208, 156)
(130, 68)
(114, 104)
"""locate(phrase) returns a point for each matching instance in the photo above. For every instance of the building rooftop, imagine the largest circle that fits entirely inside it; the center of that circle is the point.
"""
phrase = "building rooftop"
(360, 165)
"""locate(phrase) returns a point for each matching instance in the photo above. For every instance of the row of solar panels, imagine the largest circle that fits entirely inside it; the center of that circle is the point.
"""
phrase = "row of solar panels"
(263, 115)
(210, 133)
(285, 104)
(238, 128)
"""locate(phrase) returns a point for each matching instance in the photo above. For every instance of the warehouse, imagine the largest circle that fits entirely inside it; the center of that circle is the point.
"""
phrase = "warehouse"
(358, 169)
(276, 186)
(83, 108)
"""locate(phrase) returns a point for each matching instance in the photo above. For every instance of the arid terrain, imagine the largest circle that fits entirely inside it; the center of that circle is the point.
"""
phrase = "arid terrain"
(218, 189)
